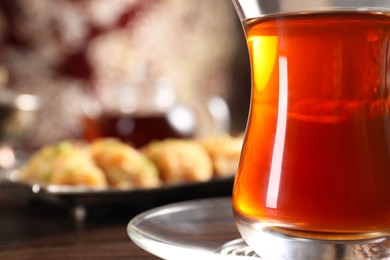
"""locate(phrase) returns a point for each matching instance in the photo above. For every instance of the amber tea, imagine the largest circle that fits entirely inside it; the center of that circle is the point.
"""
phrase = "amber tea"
(317, 150)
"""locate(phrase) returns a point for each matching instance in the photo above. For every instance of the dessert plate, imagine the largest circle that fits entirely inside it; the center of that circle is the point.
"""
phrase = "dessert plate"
(80, 199)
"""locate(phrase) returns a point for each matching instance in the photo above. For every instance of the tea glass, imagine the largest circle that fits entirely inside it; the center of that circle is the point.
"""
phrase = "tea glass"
(314, 175)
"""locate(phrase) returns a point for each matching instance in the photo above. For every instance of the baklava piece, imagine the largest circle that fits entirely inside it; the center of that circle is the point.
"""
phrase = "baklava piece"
(180, 161)
(225, 152)
(124, 166)
(63, 163)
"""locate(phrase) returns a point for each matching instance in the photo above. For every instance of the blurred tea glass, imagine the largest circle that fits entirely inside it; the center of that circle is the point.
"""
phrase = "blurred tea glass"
(18, 112)
(138, 114)
(147, 109)
(314, 176)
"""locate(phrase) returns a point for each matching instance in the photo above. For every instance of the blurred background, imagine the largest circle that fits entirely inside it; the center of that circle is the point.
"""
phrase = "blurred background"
(89, 68)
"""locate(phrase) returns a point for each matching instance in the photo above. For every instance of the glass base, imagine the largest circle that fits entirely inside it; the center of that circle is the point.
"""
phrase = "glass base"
(237, 247)
(272, 242)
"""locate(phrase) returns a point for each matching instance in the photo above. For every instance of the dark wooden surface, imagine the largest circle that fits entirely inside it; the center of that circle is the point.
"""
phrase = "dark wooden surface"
(36, 230)
(31, 230)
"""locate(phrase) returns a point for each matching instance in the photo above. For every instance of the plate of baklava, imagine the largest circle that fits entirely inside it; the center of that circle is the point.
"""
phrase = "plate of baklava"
(109, 171)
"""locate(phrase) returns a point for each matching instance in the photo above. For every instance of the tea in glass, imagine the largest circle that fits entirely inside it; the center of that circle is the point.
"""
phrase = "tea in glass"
(316, 157)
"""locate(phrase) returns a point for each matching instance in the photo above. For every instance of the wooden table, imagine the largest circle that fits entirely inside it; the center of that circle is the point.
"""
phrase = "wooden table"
(31, 230)
(34, 231)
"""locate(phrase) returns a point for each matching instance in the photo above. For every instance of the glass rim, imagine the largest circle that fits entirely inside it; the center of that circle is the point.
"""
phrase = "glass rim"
(247, 9)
